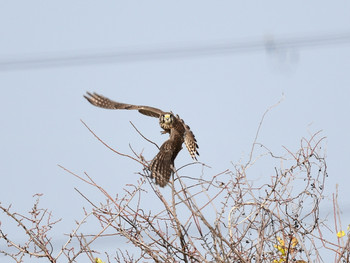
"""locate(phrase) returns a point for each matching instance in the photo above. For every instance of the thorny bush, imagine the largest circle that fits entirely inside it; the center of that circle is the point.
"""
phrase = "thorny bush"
(226, 218)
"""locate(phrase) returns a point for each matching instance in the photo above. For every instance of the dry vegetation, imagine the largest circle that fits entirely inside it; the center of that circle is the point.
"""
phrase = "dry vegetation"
(225, 219)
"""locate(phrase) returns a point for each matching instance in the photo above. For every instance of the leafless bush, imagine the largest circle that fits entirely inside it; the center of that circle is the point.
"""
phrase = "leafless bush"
(228, 218)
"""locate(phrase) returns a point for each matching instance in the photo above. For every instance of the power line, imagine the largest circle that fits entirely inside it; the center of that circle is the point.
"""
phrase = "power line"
(269, 44)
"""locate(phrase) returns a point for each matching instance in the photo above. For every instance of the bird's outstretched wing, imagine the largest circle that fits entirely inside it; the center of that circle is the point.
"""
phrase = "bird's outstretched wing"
(162, 164)
(189, 140)
(103, 102)
(191, 144)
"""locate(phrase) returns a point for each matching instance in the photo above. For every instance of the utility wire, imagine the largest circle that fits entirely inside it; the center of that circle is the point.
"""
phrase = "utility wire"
(269, 44)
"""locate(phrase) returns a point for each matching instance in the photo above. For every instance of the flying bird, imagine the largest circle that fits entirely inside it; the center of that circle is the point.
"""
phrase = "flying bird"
(162, 165)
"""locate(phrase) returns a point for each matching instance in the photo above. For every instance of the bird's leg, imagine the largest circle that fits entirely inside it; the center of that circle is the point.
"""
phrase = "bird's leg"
(165, 131)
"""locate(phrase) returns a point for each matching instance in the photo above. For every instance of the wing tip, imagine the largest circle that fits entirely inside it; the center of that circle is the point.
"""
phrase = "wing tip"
(90, 97)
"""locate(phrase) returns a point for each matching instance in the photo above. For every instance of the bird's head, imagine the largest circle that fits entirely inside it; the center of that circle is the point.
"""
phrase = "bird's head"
(167, 118)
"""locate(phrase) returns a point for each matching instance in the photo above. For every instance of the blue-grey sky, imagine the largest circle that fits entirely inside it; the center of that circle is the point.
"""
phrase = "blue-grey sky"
(222, 97)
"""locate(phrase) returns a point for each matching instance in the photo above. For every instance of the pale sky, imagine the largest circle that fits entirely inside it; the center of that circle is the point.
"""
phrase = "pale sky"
(221, 96)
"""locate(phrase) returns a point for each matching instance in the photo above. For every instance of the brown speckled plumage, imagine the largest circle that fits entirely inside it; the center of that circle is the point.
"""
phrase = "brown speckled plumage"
(162, 165)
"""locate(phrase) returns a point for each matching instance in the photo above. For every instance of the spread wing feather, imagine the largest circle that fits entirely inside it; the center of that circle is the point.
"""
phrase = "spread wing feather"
(103, 102)
(190, 140)
(191, 144)
(163, 163)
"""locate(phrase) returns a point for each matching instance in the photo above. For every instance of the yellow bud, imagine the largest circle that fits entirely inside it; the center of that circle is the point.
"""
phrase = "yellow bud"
(340, 234)
(98, 260)
(294, 242)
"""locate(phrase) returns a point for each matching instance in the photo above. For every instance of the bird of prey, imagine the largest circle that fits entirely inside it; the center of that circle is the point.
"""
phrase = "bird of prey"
(162, 165)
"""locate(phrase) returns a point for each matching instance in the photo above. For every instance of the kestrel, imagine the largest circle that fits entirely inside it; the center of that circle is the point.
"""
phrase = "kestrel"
(162, 165)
